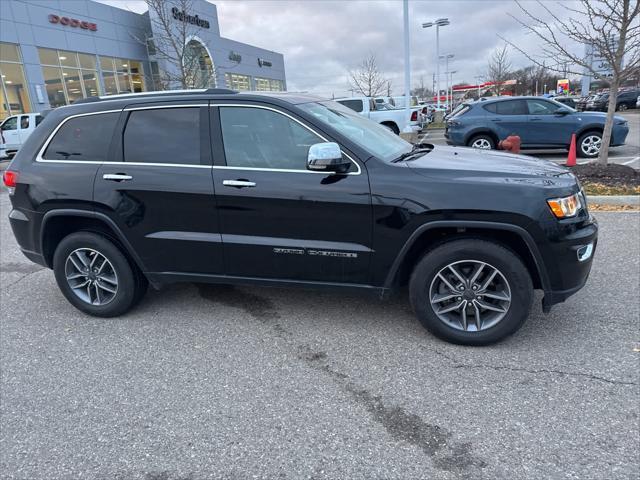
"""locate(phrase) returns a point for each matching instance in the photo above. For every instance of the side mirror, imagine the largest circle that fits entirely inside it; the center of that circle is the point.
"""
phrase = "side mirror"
(562, 111)
(327, 157)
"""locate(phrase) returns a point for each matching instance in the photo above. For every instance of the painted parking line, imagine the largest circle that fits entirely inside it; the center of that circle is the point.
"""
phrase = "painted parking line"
(633, 160)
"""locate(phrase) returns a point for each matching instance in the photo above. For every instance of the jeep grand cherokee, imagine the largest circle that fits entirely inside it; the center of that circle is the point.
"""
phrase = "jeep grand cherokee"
(285, 189)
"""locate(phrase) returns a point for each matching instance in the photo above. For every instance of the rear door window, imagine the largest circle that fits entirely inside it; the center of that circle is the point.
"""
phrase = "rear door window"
(87, 137)
(509, 107)
(163, 135)
(355, 105)
(24, 122)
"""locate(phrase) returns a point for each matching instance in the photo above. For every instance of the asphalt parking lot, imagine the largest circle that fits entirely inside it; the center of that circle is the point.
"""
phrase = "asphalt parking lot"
(207, 382)
(628, 154)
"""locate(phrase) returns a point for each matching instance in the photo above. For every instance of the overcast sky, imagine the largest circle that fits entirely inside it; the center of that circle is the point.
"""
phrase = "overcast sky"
(322, 39)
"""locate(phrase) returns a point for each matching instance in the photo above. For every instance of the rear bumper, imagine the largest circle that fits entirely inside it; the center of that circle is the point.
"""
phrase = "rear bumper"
(572, 257)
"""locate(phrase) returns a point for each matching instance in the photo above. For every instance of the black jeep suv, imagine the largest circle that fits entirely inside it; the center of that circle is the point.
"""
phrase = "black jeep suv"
(284, 189)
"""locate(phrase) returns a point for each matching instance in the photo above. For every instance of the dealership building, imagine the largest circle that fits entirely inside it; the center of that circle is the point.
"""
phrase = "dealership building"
(53, 52)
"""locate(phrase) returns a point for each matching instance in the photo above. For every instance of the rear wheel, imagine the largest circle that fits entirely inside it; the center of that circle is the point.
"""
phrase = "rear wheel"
(622, 107)
(483, 142)
(95, 276)
(589, 144)
(471, 292)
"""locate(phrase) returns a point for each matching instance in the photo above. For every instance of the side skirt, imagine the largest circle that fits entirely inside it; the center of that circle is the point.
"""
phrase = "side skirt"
(160, 279)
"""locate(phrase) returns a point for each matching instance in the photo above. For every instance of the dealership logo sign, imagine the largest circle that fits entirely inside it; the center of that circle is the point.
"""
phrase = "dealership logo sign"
(235, 57)
(73, 22)
(264, 63)
(192, 19)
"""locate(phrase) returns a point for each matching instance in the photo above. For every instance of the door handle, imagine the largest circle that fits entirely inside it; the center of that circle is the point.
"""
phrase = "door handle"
(116, 177)
(496, 120)
(238, 183)
(536, 119)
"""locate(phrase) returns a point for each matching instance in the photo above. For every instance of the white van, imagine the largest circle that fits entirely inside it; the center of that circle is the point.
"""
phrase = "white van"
(14, 132)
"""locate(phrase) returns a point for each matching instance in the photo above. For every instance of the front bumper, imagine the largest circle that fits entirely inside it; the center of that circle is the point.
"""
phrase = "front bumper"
(571, 256)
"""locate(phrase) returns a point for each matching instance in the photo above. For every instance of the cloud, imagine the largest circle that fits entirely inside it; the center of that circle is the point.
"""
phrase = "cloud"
(322, 39)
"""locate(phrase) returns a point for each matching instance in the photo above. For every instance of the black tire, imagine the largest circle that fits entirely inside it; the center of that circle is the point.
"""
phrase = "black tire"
(622, 107)
(131, 283)
(503, 259)
(579, 145)
(482, 137)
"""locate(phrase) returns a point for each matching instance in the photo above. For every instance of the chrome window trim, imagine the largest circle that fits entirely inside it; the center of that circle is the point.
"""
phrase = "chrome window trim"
(284, 170)
(55, 130)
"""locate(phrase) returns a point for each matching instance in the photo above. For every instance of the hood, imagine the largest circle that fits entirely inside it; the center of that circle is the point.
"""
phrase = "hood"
(486, 163)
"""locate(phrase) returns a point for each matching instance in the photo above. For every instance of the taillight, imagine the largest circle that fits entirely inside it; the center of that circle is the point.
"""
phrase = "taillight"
(414, 116)
(10, 179)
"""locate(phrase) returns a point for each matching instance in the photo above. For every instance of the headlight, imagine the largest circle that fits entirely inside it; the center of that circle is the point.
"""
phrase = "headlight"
(565, 207)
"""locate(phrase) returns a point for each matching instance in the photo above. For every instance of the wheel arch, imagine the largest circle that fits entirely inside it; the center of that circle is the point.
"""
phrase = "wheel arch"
(57, 224)
(428, 236)
(393, 125)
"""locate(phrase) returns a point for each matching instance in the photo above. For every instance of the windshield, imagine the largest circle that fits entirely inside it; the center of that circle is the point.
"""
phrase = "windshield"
(373, 137)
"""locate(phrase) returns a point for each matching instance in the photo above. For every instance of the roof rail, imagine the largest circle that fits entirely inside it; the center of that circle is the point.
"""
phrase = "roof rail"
(210, 91)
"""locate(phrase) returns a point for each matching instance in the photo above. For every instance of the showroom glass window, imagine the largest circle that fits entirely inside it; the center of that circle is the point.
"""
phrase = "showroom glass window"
(238, 82)
(14, 93)
(268, 85)
(68, 76)
(121, 75)
(163, 135)
(283, 143)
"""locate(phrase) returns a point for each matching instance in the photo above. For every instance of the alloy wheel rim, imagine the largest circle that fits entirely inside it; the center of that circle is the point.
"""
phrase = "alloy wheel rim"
(591, 145)
(622, 107)
(91, 276)
(470, 295)
(482, 143)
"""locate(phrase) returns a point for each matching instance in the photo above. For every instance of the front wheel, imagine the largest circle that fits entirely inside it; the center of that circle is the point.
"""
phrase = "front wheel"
(483, 142)
(95, 276)
(589, 144)
(471, 292)
(622, 107)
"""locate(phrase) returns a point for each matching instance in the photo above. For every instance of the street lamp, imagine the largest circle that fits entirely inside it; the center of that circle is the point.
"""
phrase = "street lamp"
(478, 79)
(440, 22)
(446, 57)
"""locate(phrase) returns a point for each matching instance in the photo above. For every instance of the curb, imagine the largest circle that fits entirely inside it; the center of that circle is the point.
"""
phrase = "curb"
(633, 200)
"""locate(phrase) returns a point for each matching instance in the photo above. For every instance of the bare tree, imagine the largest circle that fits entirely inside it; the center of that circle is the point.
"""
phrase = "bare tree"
(499, 68)
(610, 28)
(185, 63)
(367, 80)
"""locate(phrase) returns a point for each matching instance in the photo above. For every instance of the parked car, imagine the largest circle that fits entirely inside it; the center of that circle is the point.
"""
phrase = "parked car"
(568, 101)
(388, 100)
(539, 122)
(626, 99)
(290, 190)
(395, 120)
(581, 103)
(15, 130)
(638, 102)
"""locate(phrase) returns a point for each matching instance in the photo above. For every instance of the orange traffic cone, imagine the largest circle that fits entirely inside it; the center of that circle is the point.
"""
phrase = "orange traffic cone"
(571, 159)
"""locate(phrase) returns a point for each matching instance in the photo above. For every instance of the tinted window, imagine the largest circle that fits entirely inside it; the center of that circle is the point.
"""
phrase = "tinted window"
(163, 135)
(24, 121)
(355, 105)
(540, 107)
(39, 119)
(260, 138)
(509, 107)
(83, 138)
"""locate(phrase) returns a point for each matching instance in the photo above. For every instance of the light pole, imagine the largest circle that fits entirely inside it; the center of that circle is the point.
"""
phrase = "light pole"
(451, 84)
(478, 79)
(446, 57)
(440, 22)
